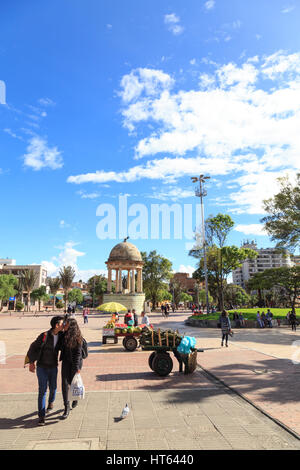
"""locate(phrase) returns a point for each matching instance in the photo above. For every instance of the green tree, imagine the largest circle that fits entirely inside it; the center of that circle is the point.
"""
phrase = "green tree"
(97, 286)
(217, 230)
(259, 282)
(176, 290)
(29, 277)
(8, 284)
(54, 285)
(220, 263)
(40, 295)
(287, 278)
(235, 296)
(66, 274)
(283, 221)
(202, 297)
(184, 297)
(157, 272)
(75, 295)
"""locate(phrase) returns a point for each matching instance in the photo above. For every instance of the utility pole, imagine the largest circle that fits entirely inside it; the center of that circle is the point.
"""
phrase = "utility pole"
(201, 192)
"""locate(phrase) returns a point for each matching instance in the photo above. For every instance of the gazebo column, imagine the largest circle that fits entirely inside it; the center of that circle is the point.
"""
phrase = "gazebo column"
(128, 280)
(109, 281)
(120, 280)
(117, 280)
(139, 281)
(133, 281)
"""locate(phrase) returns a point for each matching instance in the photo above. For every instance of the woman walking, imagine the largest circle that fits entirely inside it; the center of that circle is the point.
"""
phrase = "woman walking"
(225, 327)
(71, 357)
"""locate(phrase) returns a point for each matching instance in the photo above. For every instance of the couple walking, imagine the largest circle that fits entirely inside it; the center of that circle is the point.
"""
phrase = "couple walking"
(64, 336)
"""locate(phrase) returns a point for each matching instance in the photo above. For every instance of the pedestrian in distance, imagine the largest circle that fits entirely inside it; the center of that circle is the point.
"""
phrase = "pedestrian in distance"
(259, 320)
(293, 320)
(71, 356)
(225, 325)
(43, 359)
(145, 319)
(264, 319)
(128, 318)
(85, 315)
(269, 319)
(135, 317)
(242, 320)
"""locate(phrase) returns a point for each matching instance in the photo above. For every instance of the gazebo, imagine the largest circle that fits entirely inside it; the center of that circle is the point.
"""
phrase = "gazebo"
(129, 290)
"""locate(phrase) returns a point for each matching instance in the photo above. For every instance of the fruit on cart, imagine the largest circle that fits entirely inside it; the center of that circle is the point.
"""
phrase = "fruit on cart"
(117, 331)
(124, 330)
(130, 330)
(160, 338)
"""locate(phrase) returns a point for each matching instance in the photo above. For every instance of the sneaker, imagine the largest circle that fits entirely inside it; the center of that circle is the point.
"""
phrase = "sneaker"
(222, 344)
(41, 421)
(74, 404)
(226, 345)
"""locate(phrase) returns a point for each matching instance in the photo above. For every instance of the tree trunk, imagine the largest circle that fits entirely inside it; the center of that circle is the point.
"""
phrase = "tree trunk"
(54, 297)
(28, 301)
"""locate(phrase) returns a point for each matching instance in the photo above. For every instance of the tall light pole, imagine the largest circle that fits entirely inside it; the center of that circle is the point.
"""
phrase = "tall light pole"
(201, 192)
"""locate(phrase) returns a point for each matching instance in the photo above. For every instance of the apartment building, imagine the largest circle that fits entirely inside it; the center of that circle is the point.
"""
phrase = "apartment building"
(267, 258)
(9, 266)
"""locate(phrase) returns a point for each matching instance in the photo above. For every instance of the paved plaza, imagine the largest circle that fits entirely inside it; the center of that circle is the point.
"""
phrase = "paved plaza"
(197, 411)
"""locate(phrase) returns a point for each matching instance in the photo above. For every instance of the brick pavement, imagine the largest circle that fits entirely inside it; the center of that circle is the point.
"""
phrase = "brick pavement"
(176, 412)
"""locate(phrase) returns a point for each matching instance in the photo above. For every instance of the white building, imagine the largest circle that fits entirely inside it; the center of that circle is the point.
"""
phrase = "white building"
(9, 266)
(267, 258)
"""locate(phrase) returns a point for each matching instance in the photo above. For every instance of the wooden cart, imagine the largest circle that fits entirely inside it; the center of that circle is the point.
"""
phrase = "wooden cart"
(161, 362)
(130, 341)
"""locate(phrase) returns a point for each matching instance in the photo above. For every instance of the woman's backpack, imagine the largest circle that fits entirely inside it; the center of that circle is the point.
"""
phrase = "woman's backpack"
(84, 349)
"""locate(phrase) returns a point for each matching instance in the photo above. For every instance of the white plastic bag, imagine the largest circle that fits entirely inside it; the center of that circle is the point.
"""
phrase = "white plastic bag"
(77, 390)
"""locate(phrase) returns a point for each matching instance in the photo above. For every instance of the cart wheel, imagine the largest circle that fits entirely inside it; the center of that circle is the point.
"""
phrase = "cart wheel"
(162, 364)
(130, 343)
(150, 360)
(124, 341)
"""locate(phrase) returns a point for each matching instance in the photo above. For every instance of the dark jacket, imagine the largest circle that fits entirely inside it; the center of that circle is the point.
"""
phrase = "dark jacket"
(42, 350)
(225, 324)
(136, 320)
(71, 356)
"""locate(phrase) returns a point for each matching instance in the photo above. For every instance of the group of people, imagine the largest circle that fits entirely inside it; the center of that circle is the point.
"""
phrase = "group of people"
(65, 337)
(165, 309)
(131, 318)
(239, 319)
(264, 320)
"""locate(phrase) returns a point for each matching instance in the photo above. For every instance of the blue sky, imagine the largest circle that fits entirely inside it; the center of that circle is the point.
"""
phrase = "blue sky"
(133, 98)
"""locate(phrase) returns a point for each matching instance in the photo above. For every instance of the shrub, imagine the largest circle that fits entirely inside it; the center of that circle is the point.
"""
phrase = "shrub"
(19, 306)
(59, 304)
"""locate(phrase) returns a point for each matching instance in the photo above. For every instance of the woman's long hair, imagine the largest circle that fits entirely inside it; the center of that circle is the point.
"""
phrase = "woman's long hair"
(73, 336)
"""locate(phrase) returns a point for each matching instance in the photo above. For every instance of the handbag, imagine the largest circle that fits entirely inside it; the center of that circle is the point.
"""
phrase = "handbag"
(77, 388)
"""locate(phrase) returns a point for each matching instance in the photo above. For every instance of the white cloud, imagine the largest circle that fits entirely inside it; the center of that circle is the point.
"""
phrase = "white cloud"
(39, 155)
(149, 82)
(63, 224)
(68, 256)
(186, 269)
(236, 123)
(288, 9)
(46, 102)
(173, 23)
(209, 5)
(251, 229)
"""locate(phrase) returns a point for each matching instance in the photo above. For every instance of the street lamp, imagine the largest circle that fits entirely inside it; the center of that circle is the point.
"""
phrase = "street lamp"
(201, 192)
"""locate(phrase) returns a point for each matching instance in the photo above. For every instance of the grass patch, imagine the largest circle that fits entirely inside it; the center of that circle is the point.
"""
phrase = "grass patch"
(248, 313)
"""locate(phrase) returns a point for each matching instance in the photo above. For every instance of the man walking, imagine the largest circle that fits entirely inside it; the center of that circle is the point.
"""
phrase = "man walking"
(293, 320)
(44, 351)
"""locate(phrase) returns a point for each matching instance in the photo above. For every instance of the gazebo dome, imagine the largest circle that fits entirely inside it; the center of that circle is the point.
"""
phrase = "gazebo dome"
(125, 252)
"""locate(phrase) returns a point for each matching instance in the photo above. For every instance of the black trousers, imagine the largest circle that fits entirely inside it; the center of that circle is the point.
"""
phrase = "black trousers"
(293, 326)
(67, 374)
(225, 336)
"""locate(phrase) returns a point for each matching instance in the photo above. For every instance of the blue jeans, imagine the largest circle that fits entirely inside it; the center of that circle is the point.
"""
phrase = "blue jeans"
(45, 377)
